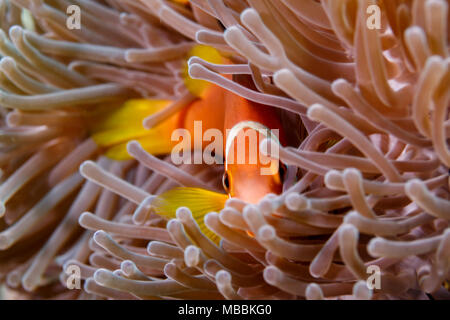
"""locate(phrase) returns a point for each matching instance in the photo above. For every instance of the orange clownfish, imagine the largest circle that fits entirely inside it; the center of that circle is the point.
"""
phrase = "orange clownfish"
(243, 125)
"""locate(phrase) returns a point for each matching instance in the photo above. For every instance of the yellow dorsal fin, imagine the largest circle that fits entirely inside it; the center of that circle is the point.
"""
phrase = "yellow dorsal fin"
(207, 53)
(199, 201)
(124, 124)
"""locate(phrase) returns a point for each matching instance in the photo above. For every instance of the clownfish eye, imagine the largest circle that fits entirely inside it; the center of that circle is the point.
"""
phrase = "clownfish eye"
(282, 171)
(226, 182)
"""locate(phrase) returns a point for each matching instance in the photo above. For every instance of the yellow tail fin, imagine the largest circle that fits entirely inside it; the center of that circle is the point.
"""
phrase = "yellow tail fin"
(125, 124)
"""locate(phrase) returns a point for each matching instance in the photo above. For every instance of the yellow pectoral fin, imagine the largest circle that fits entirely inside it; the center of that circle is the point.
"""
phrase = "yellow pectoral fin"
(199, 201)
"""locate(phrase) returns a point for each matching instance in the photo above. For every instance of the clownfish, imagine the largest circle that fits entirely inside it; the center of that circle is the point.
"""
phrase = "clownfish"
(237, 118)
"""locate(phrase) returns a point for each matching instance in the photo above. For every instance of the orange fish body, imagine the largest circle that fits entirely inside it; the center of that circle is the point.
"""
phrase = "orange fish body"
(237, 119)
(221, 109)
(246, 181)
(241, 126)
(209, 110)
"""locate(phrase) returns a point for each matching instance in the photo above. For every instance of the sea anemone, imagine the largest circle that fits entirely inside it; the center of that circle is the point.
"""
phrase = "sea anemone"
(366, 109)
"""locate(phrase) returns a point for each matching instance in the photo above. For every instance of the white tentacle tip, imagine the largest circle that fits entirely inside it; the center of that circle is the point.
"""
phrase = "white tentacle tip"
(351, 217)
(133, 147)
(101, 276)
(315, 111)
(183, 213)
(192, 256)
(83, 218)
(348, 229)
(250, 211)
(373, 247)
(361, 291)
(296, 202)
(414, 187)
(15, 31)
(272, 275)
(314, 292)
(209, 217)
(223, 277)
(86, 167)
(414, 30)
(127, 267)
(232, 34)
(7, 63)
(195, 70)
(249, 15)
(283, 76)
(338, 83)
(100, 236)
(332, 179)
(266, 233)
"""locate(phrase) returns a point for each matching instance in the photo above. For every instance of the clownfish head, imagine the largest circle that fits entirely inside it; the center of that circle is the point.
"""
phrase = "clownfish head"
(249, 175)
